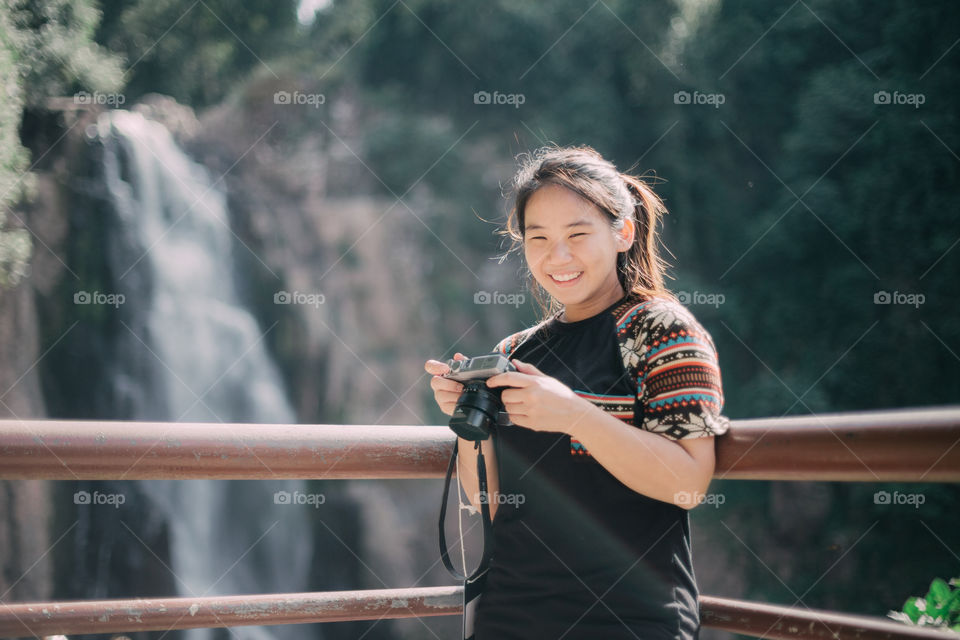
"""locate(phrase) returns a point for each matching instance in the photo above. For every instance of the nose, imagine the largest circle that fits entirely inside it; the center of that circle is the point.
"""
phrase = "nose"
(559, 252)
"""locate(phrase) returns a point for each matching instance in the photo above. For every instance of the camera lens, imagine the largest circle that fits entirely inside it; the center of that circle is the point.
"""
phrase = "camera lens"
(476, 412)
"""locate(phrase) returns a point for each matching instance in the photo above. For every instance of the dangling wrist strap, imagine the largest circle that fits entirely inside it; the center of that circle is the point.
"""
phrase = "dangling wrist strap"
(484, 513)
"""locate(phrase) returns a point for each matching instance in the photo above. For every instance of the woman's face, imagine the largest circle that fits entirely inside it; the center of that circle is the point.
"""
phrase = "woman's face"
(572, 250)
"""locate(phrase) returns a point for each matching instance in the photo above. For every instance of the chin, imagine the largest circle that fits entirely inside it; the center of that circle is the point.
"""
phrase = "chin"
(566, 297)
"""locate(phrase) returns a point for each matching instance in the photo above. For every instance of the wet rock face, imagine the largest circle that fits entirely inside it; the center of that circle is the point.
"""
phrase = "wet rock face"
(347, 359)
(25, 506)
(25, 510)
(310, 218)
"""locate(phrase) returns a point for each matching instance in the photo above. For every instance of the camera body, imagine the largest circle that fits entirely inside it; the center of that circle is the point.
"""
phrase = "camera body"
(479, 408)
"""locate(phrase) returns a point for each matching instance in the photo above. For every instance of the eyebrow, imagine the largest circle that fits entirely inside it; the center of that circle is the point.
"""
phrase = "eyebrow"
(578, 223)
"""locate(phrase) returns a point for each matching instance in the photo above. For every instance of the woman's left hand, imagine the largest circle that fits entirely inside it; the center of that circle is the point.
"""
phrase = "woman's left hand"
(536, 401)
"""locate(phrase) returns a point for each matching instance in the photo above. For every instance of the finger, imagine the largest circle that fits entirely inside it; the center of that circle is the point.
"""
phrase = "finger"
(512, 396)
(526, 367)
(448, 407)
(460, 356)
(436, 367)
(446, 401)
(439, 383)
(446, 386)
(509, 379)
(518, 418)
(445, 397)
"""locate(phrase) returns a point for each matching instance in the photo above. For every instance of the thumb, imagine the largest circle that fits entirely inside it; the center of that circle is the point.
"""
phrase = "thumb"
(526, 367)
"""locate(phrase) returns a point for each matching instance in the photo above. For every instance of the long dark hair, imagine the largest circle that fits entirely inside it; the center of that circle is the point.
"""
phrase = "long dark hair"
(586, 173)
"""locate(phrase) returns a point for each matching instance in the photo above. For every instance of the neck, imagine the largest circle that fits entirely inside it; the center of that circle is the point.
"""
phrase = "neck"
(588, 309)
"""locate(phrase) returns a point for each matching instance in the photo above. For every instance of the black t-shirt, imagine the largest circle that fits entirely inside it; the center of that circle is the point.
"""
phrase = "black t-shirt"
(578, 554)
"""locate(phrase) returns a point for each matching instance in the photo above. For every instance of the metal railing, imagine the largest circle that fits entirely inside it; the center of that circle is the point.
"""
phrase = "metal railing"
(915, 445)
(108, 616)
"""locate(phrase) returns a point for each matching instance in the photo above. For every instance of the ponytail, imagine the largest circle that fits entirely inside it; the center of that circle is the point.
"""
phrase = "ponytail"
(640, 268)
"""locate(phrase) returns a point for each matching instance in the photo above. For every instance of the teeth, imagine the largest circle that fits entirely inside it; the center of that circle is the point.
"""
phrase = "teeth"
(568, 277)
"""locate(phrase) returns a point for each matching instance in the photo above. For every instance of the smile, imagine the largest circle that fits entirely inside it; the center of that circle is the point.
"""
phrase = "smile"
(566, 278)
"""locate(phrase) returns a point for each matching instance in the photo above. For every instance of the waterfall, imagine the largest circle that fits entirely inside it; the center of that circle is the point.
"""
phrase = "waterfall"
(191, 352)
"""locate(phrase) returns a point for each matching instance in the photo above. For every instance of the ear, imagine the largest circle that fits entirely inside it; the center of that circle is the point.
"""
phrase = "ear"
(626, 234)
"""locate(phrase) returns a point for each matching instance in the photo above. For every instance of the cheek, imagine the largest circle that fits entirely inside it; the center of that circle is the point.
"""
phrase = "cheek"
(604, 252)
(531, 255)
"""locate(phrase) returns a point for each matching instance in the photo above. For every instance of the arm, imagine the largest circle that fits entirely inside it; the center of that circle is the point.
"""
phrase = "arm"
(667, 470)
(681, 393)
(680, 386)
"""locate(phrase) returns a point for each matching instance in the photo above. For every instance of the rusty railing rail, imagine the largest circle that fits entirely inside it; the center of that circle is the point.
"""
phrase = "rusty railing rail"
(904, 445)
(39, 619)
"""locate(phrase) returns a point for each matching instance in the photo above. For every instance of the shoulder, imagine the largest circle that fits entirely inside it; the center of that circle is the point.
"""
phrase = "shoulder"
(650, 325)
(680, 380)
(507, 346)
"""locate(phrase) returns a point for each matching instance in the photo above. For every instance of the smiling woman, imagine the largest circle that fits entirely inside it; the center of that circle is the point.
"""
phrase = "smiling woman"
(568, 248)
(614, 407)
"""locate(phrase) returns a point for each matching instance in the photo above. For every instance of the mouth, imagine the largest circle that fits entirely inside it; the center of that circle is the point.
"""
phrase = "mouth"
(566, 279)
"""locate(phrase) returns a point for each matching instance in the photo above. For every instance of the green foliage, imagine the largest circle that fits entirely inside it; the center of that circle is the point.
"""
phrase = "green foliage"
(13, 157)
(940, 607)
(55, 51)
(46, 49)
(196, 52)
(15, 245)
(15, 250)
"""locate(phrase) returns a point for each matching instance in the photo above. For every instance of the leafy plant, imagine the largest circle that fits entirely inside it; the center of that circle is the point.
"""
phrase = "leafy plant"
(941, 607)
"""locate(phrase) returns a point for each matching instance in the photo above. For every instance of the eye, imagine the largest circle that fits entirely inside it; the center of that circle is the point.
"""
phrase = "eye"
(538, 238)
(578, 234)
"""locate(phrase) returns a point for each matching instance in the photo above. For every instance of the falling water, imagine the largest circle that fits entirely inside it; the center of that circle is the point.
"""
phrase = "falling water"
(196, 355)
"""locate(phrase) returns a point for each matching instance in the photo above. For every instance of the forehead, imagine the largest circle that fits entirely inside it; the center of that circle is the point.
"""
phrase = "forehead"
(554, 206)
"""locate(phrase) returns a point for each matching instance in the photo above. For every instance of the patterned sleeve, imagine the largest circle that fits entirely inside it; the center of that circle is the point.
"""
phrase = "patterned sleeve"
(679, 386)
(508, 345)
(503, 347)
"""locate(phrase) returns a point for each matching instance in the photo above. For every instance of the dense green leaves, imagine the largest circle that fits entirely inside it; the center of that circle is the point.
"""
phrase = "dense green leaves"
(940, 607)
(46, 49)
(196, 51)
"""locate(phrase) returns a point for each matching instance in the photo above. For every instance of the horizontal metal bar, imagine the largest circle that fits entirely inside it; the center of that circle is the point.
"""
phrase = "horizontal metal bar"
(774, 622)
(777, 622)
(897, 445)
(40, 619)
(905, 445)
(71, 450)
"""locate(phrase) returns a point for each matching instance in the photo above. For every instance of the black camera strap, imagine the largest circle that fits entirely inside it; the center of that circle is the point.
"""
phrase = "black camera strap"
(484, 512)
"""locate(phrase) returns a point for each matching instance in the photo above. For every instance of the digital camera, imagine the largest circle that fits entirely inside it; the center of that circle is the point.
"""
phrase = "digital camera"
(479, 407)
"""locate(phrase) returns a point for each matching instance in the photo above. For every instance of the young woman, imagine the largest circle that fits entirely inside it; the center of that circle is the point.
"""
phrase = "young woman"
(590, 491)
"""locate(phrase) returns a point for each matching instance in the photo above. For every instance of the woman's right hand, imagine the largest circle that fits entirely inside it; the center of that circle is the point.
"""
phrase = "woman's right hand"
(445, 391)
